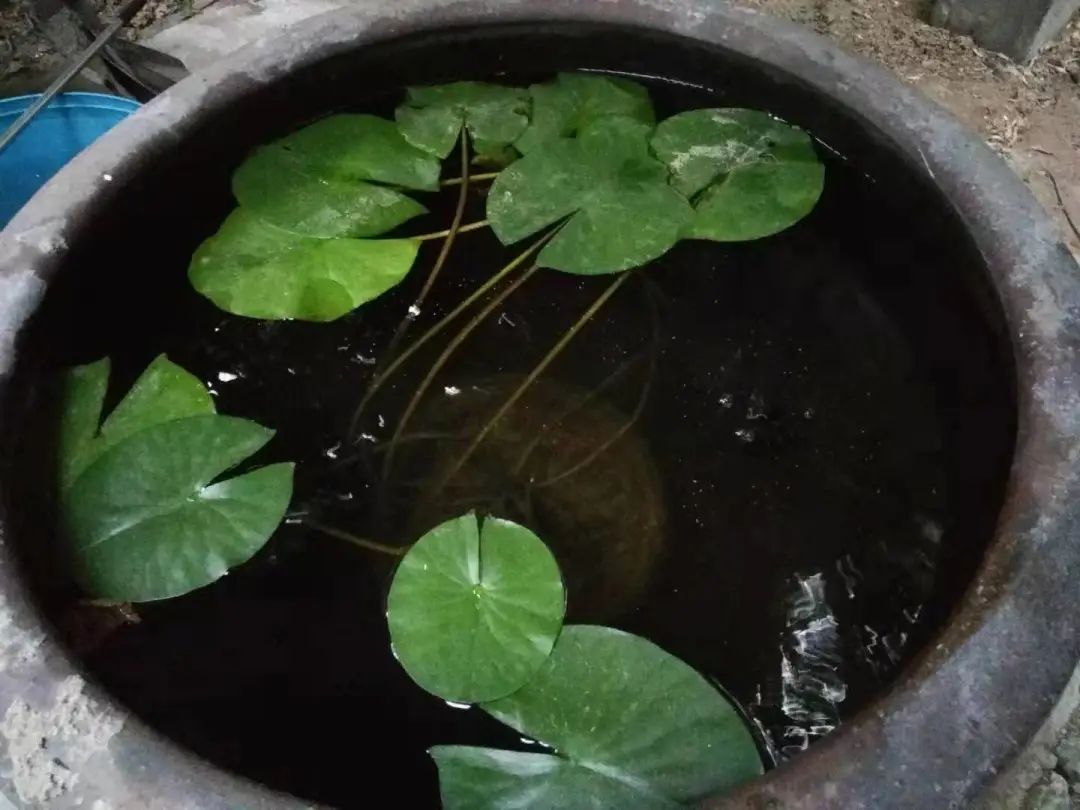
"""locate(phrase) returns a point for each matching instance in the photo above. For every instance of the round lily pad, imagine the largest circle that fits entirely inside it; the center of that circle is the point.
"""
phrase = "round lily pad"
(622, 211)
(624, 708)
(148, 520)
(254, 269)
(749, 175)
(432, 117)
(567, 105)
(332, 178)
(474, 608)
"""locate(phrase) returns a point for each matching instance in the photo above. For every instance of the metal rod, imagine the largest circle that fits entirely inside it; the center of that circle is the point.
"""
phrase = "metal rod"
(123, 17)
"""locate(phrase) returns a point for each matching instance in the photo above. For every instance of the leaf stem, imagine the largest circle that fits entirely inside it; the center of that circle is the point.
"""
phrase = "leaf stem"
(455, 224)
(437, 366)
(575, 406)
(360, 542)
(457, 181)
(472, 226)
(444, 252)
(597, 451)
(445, 321)
(548, 359)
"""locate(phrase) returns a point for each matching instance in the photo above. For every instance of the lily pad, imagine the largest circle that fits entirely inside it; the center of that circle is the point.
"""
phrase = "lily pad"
(147, 521)
(749, 175)
(489, 779)
(432, 117)
(474, 608)
(322, 181)
(619, 705)
(567, 105)
(622, 211)
(254, 269)
(163, 392)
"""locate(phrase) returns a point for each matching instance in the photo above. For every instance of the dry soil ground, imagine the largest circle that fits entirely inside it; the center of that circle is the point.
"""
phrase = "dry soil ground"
(1028, 113)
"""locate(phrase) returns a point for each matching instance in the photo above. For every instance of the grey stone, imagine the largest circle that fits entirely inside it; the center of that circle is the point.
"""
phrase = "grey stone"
(1068, 754)
(1018, 28)
(1052, 793)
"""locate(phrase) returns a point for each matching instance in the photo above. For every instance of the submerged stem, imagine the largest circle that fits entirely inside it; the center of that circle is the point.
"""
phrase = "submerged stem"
(435, 329)
(548, 359)
(437, 366)
(597, 451)
(444, 253)
(456, 181)
(369, 545)
(427, 237)
(575, 406)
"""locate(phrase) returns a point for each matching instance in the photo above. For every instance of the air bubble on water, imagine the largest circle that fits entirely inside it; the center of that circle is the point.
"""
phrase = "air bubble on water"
(744, 435)
(726, 401)
(931, 530)
(227, 376)
(451, 390)
(332, 452)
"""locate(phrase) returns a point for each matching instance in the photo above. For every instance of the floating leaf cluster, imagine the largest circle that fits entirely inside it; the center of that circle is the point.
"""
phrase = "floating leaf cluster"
(582, 151)
(475, 614)
(476, 607)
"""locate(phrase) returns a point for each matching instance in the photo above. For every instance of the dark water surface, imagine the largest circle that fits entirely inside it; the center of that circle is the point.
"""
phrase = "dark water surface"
(804, 493)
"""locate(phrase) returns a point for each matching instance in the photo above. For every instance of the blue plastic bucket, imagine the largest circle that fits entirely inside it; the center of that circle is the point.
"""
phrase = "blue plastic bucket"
(71, 122)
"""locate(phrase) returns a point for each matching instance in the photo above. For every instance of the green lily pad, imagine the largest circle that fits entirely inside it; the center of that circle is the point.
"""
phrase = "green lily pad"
(254, 269)
(489, 779)
(322, 181)
(146, 520)
(495, 156)
(622, 211)
(619, 705)
(163, 392)
(750, 175)
(474, 608)
(432, 117)
(567, 105)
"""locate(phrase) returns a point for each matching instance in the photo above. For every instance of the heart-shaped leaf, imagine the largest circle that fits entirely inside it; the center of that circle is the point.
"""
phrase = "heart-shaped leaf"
(255, 269)
(621, 706)
(321, 180)
(146, 521)
(474, 608)
(623, 213)
(489, 779)
(162, 393)
(432, 117)
(750, 175)
(569, 104)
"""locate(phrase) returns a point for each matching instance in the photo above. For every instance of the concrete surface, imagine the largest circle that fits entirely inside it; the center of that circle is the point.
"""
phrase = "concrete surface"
(1019, 28)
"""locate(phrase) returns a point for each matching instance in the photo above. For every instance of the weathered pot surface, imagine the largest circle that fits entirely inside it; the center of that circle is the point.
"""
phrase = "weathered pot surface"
(960, 712)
